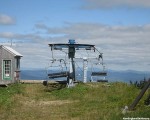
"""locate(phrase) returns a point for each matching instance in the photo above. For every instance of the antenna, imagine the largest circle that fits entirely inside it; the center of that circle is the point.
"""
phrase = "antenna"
(11, 42)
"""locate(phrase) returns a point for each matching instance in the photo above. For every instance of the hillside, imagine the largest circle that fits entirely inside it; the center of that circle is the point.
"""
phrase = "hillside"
(91, 101)
(113, 76)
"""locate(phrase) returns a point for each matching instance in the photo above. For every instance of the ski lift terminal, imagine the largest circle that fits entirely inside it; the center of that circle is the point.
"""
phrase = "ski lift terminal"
(72, 47)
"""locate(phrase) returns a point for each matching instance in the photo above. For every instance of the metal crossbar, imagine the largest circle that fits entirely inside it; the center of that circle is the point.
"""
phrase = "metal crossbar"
(99, 74)
(57, 75)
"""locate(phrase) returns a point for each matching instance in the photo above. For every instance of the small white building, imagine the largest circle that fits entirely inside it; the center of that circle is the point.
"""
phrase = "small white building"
(9, 65)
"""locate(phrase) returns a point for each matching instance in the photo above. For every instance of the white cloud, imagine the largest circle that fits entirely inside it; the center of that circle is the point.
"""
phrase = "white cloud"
(96, 4)
(32, 37)
(35, 55)
(7, 35)
(6, 20)
(124, 47)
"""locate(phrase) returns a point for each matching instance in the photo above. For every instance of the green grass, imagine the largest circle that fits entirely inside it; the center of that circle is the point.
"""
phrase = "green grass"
(91, 101)
(6, 94)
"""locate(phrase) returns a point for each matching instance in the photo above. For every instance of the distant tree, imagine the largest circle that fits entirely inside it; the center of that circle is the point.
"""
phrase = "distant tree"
(139, 84)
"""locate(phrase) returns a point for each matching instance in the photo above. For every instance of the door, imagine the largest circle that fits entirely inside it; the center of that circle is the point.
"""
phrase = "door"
(6, 69)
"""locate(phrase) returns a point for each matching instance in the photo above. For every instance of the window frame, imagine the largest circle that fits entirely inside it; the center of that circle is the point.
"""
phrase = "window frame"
(7, 69)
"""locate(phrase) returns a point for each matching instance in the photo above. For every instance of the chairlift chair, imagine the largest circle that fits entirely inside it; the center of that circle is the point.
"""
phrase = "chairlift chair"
(99, 74)
(62, 73)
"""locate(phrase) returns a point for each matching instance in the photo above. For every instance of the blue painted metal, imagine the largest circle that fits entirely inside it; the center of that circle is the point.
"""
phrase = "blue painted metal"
(71, 41)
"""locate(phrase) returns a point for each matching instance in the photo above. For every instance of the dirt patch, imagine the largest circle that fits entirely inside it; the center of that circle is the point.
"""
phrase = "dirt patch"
(47, 103)
(56, 102)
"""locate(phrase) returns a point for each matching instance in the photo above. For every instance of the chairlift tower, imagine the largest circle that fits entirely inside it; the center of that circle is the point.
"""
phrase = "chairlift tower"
(72, 47)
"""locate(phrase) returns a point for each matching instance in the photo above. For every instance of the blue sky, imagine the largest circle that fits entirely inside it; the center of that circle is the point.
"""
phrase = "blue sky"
(120, 29)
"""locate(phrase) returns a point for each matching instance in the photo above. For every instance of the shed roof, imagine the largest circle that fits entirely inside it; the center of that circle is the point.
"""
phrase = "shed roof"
(12, 51)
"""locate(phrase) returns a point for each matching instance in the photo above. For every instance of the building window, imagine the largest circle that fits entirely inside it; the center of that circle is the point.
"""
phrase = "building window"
(6, 69)
(18, 64)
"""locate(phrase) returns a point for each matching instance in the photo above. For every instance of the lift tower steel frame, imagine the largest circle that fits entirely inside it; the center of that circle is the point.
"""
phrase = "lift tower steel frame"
(72, 47)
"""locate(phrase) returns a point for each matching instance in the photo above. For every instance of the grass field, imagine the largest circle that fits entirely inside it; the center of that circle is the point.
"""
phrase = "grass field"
(91, 101)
